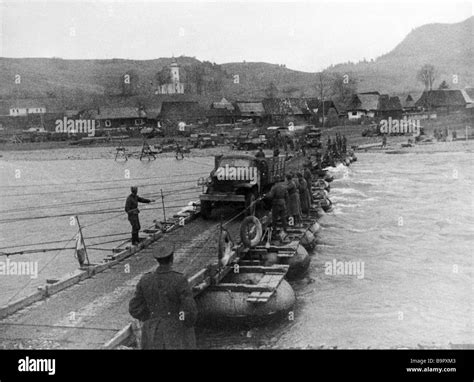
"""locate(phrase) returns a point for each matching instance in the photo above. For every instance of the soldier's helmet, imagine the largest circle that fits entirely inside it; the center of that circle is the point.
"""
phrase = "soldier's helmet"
(134, 189)
(163, 250)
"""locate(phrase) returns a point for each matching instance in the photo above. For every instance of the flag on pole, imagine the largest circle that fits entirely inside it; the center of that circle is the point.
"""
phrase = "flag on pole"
(81, 253)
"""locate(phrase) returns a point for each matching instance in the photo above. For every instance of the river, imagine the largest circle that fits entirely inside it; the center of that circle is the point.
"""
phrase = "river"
(95, 189)
(406, 220)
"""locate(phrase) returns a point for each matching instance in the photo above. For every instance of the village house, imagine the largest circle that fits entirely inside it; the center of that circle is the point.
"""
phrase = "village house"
(408, 104)
(321, 109)
(444, 100)
(221, 112)
(153, 116)
(362, 106)
(374, 105)
(26, 106)
(251, 110)
(115, 117)
(389, 107)
(174, 112)
(277, 110)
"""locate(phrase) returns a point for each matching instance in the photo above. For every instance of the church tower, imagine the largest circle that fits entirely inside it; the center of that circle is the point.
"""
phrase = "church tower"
(175, 86)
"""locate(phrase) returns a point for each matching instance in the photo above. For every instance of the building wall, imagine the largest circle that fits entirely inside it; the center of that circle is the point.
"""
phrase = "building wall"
(121, 122)
(17, 111)
(352, 115)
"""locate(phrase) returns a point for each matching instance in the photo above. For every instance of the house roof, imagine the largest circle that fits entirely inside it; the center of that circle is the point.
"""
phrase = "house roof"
(222, 104)
(443, 98)
(467, 96)
(324, 107)
(250, 108)
(387, 103)
(26, 103)
(470, 93)
(185, 110)
(408, 102)
(221, 113)
(285, 106)
(153, 113)
(118, 113)
(364, 102)
(312, 103)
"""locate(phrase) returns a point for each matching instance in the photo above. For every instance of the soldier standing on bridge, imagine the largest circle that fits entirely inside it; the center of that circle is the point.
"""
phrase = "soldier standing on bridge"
(294, 209)
(279, 197)
(304, 194)
(131, 208)
(164, 302)
(308, 176)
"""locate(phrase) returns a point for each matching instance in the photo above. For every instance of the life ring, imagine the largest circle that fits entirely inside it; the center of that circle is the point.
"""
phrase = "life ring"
(224, 248)
(251, 231)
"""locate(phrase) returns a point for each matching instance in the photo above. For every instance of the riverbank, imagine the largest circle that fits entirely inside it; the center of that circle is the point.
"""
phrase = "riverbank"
(96, 152)
(395, 147)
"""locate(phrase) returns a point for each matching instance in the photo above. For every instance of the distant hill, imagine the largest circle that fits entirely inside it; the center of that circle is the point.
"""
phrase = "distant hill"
(77, 83)
(449, 47)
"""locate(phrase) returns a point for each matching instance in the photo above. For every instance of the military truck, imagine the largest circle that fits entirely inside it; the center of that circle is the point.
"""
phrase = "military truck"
(313, 137)
(250, 140)
(240, 179)
(203, 140)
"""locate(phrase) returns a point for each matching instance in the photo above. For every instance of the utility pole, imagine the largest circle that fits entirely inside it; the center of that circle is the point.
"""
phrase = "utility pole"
(163, 204)
(322, 94)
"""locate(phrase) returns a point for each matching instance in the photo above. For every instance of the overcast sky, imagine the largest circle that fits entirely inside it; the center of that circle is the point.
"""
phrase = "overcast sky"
(305, 36)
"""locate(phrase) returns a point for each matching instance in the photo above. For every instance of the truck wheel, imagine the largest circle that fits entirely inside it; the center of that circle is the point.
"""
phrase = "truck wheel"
(251, 231)
(250, 205)
(206, 210)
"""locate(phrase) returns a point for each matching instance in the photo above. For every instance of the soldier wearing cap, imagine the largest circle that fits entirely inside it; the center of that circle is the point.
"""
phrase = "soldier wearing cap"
(131, 208)
(164, 301)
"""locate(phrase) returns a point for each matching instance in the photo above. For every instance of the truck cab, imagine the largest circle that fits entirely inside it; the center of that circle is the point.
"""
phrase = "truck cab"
(239, 179)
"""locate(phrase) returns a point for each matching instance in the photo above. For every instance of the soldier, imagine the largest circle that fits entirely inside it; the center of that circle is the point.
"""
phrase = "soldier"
(131, 208)
(309, 180)
(294, 209)
(164, 302)
(260, 153)
(304, 194)
(279, 196)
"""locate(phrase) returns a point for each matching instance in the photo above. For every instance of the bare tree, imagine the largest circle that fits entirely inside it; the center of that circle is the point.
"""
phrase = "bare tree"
(323, 89)
(427, 75)
(343, 88)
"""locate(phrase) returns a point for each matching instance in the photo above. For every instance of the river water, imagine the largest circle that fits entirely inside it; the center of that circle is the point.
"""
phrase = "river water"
(409, 220)
(406, 220)
(94, 188)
